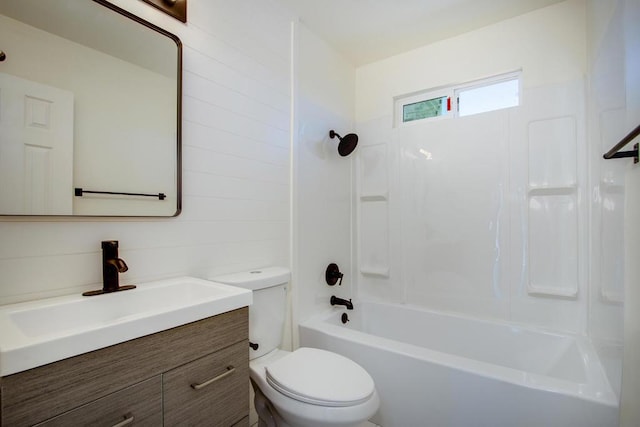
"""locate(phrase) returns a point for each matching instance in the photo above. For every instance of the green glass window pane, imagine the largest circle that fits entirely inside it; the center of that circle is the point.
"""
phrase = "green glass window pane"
(424, 109)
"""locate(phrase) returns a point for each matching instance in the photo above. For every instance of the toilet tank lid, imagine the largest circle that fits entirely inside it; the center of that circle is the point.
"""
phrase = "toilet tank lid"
(260, 278)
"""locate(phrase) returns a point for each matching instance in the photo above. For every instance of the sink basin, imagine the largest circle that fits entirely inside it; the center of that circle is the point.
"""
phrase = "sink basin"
(39, 332)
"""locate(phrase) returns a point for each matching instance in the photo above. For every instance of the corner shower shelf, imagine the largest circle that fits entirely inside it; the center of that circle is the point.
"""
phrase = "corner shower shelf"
(611, 297)
(563, 190)
(374, 197)
(373, 271)
(373, 211)
(546, 291)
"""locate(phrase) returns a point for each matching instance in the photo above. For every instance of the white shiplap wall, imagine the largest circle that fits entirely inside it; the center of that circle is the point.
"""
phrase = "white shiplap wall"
(236, 112)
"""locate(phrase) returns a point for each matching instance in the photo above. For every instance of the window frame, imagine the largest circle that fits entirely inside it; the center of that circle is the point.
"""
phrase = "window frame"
(452, 92)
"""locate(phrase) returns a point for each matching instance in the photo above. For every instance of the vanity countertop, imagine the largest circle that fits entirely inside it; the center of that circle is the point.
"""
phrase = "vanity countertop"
(38, 332)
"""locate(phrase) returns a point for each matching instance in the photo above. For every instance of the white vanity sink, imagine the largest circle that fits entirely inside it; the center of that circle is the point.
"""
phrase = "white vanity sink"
(39, 332)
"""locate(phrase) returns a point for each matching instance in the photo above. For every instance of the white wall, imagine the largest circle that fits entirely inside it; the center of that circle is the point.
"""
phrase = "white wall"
(470, 230)
(322, 179)
(236, 110)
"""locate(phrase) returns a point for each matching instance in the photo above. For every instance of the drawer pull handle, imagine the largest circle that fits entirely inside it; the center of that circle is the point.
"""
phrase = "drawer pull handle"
(230, 370)
(128, 419)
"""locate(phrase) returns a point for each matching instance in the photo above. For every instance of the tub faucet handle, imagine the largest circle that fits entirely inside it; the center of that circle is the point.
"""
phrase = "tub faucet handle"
(333, 274)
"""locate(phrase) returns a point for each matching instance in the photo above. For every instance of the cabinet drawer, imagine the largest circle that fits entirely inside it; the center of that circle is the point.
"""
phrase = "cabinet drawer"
(212, 390)
(137, 405)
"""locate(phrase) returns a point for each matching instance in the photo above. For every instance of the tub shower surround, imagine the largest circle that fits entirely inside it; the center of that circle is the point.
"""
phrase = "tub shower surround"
(483, 215)
(510, 215)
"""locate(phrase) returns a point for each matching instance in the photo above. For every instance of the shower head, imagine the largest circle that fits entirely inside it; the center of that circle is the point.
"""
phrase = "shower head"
(347, 143)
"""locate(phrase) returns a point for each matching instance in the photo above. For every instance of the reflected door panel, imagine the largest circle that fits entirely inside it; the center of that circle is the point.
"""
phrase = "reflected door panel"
(36, 148)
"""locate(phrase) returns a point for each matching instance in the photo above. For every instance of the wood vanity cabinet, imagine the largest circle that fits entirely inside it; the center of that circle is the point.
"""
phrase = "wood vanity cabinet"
(196, 375)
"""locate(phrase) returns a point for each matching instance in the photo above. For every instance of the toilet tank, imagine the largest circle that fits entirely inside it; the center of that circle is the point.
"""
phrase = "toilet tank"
(269, 308)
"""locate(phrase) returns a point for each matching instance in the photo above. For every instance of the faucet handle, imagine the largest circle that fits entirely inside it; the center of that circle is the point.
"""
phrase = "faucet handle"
(332, 274)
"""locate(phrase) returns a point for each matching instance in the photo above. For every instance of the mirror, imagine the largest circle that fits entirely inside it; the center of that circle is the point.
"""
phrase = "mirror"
(90, 111)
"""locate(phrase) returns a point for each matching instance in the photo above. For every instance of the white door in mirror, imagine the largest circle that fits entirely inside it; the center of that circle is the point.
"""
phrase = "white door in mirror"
(36, 148)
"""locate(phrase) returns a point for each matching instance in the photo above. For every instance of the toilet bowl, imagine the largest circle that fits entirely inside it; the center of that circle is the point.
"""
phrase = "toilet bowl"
(306, 387)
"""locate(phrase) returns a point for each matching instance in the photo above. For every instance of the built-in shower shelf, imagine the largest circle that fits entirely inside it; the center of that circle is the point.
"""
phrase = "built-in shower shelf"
(374, 197)
(548, 291)
(611, 297)
(373, 211)
(373, 271)
(553, 191)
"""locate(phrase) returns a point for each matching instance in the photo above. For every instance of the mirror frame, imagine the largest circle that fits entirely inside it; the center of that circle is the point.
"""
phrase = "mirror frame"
(177, 41)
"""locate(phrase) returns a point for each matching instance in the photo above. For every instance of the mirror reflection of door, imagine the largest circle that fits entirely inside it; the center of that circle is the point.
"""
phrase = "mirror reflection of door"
(36, 148)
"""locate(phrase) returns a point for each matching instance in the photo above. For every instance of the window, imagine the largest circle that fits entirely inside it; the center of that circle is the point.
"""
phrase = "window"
(488, 96)
(476, 97)
(431, 105)
(424, 109)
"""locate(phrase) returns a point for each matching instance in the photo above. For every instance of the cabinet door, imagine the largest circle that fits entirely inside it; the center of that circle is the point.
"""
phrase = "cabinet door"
(212, 390)
(137, 405)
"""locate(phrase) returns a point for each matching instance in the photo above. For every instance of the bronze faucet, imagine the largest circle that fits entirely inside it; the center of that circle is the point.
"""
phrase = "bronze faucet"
(112, 266)
(339, 301)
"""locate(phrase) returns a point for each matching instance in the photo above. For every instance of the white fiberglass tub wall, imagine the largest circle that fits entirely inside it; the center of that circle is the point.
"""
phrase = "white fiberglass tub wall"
(488, 212)
(511, 214)
(485, 215)
(443, 370)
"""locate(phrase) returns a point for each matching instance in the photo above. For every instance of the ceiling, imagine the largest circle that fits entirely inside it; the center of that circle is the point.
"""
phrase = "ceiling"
(87, 23)
(369, 30)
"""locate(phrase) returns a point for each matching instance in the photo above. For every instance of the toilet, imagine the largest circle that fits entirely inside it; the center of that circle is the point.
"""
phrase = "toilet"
(306, 387)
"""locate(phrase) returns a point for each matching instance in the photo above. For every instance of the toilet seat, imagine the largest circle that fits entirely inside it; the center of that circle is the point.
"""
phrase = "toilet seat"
(321, 378)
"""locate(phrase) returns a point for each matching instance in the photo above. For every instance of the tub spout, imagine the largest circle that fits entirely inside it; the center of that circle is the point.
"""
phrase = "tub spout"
(339, 301)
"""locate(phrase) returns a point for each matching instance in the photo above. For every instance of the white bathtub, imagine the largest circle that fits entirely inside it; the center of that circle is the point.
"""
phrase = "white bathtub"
(435, 369)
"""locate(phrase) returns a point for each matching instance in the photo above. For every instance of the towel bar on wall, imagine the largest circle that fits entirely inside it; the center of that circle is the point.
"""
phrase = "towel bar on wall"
(615, 152)
(79, 192)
